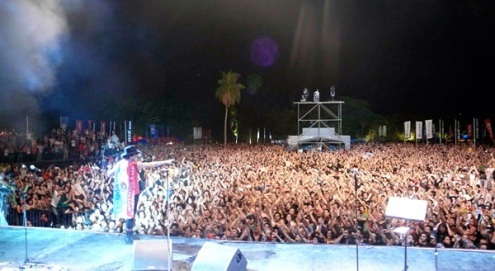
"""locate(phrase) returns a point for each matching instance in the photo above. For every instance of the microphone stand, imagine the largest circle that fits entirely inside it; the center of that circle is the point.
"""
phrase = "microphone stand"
(169, 245)
(436, 247)
(24, 198)
(357, 217)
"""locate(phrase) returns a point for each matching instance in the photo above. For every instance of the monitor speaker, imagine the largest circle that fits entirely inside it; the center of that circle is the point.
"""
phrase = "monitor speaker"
(152, 255)
(217, 257)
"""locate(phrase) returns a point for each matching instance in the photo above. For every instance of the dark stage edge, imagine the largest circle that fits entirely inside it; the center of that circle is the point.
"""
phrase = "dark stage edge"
(57, 249)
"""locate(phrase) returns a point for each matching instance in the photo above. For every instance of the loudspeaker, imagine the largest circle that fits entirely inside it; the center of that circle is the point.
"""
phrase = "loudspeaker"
(152, 255)
(216, 257)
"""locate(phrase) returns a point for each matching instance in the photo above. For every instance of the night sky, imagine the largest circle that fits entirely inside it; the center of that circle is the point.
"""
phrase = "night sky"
(428, 57)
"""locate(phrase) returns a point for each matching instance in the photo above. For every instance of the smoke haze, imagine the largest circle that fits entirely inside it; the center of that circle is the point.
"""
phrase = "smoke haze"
(32, 32)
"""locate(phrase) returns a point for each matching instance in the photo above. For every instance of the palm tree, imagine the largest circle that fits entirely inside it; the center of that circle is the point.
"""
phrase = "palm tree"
(229, 93)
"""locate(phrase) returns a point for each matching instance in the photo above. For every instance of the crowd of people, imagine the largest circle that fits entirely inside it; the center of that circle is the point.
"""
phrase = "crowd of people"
(264, 193)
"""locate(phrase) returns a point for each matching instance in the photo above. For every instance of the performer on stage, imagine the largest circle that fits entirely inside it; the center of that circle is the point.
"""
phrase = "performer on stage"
(126, 186)
(5, 191)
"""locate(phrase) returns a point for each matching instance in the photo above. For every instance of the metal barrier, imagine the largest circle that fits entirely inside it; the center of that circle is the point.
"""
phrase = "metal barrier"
(34, 217)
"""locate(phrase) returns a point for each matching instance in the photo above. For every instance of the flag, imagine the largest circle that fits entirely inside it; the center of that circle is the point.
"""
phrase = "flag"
(125, 185)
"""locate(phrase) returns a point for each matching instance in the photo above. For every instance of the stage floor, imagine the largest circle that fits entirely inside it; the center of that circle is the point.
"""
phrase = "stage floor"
(57, 249)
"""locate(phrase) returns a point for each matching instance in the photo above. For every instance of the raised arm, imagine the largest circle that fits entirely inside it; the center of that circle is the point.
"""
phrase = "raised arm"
(144, 165)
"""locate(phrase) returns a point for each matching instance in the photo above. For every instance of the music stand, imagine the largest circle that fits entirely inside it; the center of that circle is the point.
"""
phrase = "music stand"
(407, 209)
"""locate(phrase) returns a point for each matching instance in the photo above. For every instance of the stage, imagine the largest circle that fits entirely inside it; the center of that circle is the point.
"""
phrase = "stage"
(57, 249)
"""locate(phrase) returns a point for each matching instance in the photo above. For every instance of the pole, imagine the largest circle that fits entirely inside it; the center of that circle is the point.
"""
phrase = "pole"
(405, 251)
(169, 262)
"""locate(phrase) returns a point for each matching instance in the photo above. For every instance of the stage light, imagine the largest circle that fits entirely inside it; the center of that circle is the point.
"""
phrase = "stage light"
(316, 96)
(305, 95)
(332, 91)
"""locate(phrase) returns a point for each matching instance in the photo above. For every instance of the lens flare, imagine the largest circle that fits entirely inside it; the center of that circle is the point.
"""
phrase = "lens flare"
(264, 52)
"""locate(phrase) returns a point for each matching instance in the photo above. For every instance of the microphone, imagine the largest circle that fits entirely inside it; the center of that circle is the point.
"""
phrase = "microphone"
(33, 168)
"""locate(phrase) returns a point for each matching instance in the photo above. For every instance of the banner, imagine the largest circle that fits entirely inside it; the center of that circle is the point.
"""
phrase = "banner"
(153, 131)
(458, 134)
(419, 129)
(488, 127)
(103, 126)
(470, 130)
(441, 129)
(429, 129)
(79, 125)
(434, 130)
(128, 132)
(64, 122)
(382, 131)
(407, 129)
(198, 132)
(476, 129)
(111, 127)
(90, 125)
